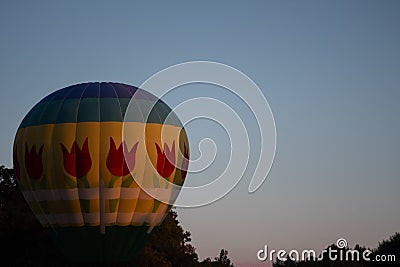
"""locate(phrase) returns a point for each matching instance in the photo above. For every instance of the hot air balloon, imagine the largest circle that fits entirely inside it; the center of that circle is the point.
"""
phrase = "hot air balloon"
(80, 176)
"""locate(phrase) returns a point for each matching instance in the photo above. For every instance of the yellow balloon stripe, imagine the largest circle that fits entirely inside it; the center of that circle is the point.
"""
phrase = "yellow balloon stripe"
(76, 156)
(93, 219)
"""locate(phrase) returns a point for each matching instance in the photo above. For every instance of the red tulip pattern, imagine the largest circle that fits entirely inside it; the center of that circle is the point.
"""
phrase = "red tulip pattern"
(165, 160)
(117, 163)
(77, 161)
(33, 162)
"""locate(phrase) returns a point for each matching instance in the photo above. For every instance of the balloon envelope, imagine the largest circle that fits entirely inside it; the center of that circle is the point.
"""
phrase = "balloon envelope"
(79, 176)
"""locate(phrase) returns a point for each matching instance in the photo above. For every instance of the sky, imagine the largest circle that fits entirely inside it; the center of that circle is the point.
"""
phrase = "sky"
(330, 73)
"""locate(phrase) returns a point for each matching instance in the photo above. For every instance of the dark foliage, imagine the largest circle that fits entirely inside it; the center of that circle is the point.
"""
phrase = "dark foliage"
(389, 250)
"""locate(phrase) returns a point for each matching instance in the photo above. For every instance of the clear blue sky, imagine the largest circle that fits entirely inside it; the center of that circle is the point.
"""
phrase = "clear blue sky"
(330, 71)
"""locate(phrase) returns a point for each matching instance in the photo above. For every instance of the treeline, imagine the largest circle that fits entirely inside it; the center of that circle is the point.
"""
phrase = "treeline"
(386, 254)
(23, 242)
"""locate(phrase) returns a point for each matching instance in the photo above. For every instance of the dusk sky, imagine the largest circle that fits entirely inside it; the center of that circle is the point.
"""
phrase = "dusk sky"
(329, 70)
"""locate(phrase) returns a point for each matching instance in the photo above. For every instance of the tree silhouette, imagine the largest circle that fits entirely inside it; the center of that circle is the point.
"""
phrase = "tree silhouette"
(168, 246)
(387, 247)
(221, 261)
